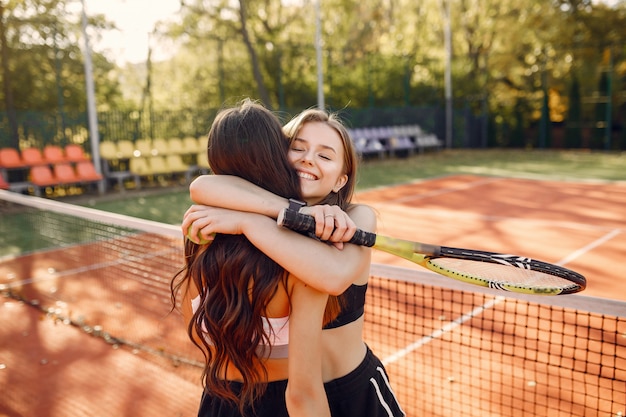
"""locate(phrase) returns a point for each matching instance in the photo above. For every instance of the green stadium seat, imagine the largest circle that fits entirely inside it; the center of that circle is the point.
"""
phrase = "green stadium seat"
(158, 165)
(108, 151)
(191, 145)
(125, 149)
(143, 147)
(161, 146)
(203, 162)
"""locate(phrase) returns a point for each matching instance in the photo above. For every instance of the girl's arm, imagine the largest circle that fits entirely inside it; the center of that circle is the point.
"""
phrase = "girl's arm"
(305, 395)
(322, 266)
(234, 193)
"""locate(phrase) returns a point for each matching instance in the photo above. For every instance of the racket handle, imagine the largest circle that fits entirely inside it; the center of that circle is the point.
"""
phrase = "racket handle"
(300, 222)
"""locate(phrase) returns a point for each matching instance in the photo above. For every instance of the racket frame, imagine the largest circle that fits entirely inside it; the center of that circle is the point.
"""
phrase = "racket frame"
(426, 255)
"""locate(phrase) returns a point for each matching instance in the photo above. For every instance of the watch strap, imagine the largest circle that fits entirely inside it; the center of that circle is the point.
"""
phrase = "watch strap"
(296, 205)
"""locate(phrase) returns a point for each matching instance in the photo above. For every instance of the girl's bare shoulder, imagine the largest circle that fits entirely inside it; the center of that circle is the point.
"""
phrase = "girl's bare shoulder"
(363, 215)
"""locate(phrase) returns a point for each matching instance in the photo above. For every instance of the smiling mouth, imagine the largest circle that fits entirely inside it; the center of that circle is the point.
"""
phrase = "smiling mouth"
(306, 176)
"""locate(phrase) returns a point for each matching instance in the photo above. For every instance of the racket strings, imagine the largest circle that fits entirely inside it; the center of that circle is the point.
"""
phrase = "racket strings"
(498, 274)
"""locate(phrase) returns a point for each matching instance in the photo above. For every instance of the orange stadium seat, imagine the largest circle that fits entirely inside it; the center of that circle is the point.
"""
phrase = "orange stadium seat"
(33, 157)
(87, 172)
(41, 175)
(65, 174)
(53, 154)
(75, 153)
(10, 158)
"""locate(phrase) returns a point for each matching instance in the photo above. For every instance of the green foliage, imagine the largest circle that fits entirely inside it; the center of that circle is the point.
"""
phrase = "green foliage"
(375, 54)
(43, 58)
(42, 69)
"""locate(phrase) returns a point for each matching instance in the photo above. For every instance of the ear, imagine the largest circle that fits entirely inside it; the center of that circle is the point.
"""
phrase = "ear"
(341, 181)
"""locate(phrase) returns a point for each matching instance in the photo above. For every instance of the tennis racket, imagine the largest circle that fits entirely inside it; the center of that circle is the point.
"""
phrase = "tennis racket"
(488, 269)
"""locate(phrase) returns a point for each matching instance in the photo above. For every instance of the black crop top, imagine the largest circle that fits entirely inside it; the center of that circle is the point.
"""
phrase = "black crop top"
(352, 303)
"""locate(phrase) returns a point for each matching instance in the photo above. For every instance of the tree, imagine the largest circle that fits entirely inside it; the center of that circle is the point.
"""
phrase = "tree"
(6, 80)
(43, 51)
(376, 53)
(249, 28)
(42, 65)
(254, 60)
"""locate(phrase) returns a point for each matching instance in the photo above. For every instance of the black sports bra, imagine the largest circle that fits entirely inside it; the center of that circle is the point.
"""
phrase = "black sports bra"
(352, 306)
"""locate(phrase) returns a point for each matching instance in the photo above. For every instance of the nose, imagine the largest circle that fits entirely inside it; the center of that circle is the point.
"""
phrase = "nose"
(307, 157)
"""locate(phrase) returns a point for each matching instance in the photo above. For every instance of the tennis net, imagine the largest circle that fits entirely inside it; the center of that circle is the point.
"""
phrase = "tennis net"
(450, 348)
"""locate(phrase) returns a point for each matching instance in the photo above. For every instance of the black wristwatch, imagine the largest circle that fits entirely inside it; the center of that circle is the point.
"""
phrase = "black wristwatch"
(296, 205)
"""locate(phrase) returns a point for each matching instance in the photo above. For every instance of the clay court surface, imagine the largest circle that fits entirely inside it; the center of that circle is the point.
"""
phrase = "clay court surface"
(48, 368)
(579, 225)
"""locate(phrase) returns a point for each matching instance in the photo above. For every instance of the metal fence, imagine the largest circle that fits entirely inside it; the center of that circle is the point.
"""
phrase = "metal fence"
(37, 129)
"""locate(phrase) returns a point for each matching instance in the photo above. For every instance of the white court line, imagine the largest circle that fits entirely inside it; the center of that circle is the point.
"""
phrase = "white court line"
(589, 247)
(440, 332)
(490, 304)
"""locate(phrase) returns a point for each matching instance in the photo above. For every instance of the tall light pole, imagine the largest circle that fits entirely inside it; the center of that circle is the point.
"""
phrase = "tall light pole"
(91, 95)
(318, 50)
(447, 36)
(609, 102)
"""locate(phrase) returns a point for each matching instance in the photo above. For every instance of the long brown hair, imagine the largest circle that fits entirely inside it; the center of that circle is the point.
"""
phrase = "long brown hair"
(236, 281)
